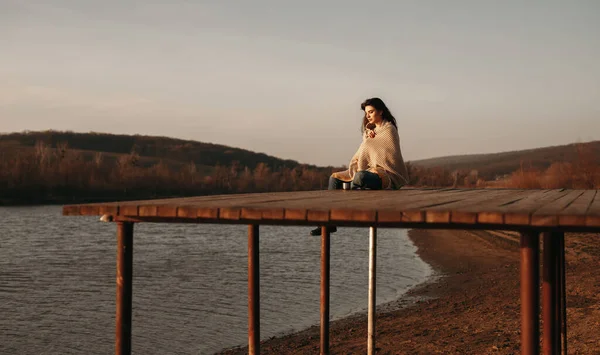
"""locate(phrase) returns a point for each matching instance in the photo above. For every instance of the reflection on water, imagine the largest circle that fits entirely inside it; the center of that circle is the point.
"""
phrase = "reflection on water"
(57, 282)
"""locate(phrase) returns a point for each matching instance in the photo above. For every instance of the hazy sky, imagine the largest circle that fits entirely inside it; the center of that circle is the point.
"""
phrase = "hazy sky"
(287, 77)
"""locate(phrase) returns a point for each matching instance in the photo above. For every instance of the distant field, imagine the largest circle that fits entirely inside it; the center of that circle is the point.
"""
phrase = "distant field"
(491, 165)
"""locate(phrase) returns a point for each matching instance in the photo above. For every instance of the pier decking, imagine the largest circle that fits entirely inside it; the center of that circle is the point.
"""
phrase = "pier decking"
(534, 213)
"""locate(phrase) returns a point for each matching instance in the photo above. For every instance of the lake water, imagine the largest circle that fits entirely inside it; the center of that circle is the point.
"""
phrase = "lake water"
(57, 282)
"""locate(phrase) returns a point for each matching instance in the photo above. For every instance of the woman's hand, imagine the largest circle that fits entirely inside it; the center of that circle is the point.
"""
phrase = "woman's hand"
(370, 130)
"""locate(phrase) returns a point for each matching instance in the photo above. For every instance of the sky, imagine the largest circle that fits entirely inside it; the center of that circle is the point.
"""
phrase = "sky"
(287, 77)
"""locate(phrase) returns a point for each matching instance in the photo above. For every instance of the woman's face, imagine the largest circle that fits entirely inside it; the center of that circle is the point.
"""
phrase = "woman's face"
(373, 116)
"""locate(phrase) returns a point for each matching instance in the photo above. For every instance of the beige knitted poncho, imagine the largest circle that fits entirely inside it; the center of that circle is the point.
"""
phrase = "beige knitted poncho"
(381, 155)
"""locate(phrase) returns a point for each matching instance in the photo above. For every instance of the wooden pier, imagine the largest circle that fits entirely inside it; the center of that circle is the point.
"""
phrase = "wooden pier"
(536, 214)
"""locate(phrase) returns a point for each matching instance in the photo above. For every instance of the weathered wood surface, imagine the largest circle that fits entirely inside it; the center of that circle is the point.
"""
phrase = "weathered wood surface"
(409, 206)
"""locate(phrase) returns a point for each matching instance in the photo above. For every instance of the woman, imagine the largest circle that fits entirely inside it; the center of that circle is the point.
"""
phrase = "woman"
(378, 162)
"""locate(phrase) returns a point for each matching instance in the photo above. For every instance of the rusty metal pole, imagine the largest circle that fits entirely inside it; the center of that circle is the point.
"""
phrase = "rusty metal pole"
(549, 295)
(372, 288)
(530, 274)
(557, 293)
(253, 292)
(325, 268)
(124, 287)
(563, 288)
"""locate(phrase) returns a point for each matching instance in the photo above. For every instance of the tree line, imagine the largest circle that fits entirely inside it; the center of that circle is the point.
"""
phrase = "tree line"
(57, 174)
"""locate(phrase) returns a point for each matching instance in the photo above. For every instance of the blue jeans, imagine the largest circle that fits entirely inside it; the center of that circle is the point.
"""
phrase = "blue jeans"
(362, 179)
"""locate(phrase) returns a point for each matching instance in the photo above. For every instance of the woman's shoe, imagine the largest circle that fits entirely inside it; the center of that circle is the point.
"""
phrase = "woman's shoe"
(317, 231)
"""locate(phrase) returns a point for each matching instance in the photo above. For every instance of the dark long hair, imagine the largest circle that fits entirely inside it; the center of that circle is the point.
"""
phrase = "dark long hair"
(379, 105)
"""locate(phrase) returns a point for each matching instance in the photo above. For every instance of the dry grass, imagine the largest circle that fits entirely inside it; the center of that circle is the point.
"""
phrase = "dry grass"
(45, 174)
(59, 174)
(582, 173)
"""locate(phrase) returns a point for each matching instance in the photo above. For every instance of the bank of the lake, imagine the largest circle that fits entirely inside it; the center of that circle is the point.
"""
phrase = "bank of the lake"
(472, 308)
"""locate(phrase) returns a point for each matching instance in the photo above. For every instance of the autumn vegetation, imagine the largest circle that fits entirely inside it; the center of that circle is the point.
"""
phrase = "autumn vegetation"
(48, 174)
(581, 173)
(66, 167)
(535, 171)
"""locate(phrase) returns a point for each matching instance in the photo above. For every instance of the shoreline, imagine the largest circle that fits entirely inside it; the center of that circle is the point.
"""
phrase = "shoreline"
(402, 301)
(307, 341)
(470, 304)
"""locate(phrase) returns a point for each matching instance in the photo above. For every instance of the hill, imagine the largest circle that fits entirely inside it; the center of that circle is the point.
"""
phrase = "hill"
(170, 150)
(67, 167)
(176, 153)
(491, 166)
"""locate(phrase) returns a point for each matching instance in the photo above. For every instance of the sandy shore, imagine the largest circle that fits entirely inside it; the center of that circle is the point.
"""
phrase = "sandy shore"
(472, 308)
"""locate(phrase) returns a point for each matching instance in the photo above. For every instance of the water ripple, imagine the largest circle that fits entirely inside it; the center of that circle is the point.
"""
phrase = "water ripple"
(57, 282)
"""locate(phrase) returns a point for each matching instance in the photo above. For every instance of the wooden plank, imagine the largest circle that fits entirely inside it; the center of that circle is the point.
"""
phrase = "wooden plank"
(208, 208)
(167, 211)
(273, 214)
(317, 216)
(413, 216)
(547, 214)
(89, 210)
(315, 209)
(399, 201)
(194, 212)
(112, 210)
(229, 213)
(574, 214)
(128, 210)
(242, 197)
(464, 211)
(341, 215)
(250, 213)
(207, 213)
(262, 213)
(592, 216)
(493, 212)
(367, 201)
(477, 213)
(187, 212)
(198, 200)
(230, 200)
(520, 212)
(236, 200)
(148, 211)
(364, 216)
(387, 216)
(291, 201)
(439, 199)
(467, 206)
(302, 209)
(336, 199)
(437, 216)
(71, 210)
(353, 215)
(294, 214)
(410, 210)
(432, 210)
